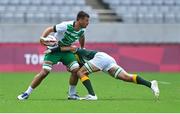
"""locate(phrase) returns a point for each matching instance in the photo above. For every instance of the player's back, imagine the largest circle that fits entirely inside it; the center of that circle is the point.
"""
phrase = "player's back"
(85, 55)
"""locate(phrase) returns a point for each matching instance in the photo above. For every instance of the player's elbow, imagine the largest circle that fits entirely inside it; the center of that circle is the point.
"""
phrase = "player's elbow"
(47, 31)
(50, 29)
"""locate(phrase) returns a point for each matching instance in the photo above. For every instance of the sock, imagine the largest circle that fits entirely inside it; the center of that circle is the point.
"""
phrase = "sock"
(29, 90)
(87, 83)
(72, 90)
(139, 80)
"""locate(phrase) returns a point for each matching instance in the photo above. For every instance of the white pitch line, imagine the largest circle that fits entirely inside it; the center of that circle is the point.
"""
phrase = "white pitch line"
(163, 82)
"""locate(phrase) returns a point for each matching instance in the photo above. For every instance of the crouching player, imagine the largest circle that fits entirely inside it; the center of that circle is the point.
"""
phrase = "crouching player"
(94, 61)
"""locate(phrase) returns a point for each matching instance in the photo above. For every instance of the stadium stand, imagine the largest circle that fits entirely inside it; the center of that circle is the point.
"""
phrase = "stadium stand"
(146, 11)
(42, 11)
(54, 11)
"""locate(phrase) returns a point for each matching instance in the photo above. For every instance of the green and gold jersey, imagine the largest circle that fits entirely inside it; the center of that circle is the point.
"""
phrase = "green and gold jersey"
(66, 34)
(84, 55)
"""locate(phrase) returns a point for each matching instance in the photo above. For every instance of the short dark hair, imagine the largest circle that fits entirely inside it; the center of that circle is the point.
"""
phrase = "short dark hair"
(82, 15)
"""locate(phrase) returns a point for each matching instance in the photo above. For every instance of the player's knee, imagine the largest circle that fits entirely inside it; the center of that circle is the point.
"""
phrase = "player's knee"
(74, 73)
(80, 73)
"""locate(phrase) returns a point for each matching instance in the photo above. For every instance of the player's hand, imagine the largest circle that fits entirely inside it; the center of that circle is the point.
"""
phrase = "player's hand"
(73, 48)
(42, 41)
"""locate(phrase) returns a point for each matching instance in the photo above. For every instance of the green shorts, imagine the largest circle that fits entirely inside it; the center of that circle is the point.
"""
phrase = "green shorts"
(67, 58)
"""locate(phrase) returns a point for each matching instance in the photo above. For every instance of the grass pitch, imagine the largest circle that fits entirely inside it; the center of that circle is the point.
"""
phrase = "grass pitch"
(114, 95)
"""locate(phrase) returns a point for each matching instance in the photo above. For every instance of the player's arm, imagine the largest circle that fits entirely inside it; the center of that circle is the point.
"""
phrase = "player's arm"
(65, 48)
(69, 48)
(82, 41)
(45, 33)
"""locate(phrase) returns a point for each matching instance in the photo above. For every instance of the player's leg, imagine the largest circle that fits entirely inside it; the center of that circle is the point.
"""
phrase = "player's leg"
(98, 63)
(47, 66)
(119, 73)
(73, 80)
(49, 60)
(70, 61)
(83, 75)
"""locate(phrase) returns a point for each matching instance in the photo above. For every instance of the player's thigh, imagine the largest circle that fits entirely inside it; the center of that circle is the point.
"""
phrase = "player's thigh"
(51, 59)
(89, 68)
(54, 58)
(102, 61)
(69, 60)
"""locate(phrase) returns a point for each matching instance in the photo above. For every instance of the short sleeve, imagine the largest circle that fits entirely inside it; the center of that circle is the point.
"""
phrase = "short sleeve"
(62, 27)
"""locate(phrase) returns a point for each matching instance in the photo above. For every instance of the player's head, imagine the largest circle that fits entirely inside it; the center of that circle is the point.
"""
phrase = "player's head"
(83, 19)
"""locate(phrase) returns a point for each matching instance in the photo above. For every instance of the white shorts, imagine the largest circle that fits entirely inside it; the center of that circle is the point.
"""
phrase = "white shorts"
(103, 61)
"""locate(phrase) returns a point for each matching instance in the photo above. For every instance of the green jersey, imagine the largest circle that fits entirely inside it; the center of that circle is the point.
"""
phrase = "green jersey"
(85, 55)
(66, 34)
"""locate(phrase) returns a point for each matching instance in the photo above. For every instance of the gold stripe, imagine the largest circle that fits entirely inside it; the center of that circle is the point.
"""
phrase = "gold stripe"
(134, 78)
(84, 78)
(77, 57)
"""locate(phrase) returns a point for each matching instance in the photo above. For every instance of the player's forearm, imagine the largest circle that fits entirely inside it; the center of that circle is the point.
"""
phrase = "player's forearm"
(63, 49)
(47, 31)
(69, 48)
(82, 42)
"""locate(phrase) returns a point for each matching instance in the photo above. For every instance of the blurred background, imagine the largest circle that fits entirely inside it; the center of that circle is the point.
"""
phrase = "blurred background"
(142, 35)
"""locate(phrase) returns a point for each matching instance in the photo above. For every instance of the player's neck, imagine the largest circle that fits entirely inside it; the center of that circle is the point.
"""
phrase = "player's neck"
(77, 26)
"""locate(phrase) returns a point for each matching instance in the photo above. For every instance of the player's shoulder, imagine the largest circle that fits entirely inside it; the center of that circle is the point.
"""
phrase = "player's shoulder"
(67, 22)
(63, 25)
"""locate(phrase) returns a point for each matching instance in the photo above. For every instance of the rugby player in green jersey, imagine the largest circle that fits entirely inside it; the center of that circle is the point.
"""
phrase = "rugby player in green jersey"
(94, 61)
(66, 33)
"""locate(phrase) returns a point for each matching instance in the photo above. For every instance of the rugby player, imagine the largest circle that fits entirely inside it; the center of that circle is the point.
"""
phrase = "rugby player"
(67, 33)
(94, 61)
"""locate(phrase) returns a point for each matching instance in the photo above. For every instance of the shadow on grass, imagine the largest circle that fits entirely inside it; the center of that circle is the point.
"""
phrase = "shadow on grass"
(125, 99)
(48, 99)
(100, 99)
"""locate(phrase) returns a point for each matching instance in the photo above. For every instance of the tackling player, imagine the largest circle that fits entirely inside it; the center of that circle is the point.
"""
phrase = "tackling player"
(66, 33)
(99, 61)
(94, 61)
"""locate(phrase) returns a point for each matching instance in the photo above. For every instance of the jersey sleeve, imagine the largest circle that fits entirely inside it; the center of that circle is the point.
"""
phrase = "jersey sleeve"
(62, 27)
(86, 53)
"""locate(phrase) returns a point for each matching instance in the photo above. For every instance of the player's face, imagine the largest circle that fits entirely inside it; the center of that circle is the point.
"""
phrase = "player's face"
(84, 22)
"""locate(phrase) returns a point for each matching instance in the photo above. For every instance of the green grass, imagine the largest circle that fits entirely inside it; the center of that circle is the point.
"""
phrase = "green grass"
(114, 95)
